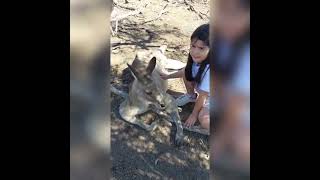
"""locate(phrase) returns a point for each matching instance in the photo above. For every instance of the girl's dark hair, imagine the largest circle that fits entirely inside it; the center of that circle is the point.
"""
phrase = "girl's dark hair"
(201, 33)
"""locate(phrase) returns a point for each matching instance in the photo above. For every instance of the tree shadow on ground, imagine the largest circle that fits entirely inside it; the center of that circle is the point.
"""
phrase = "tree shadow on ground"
(138, 154)
(145, 36)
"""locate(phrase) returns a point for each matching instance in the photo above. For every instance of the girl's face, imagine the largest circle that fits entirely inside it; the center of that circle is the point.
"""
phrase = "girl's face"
(198, 50)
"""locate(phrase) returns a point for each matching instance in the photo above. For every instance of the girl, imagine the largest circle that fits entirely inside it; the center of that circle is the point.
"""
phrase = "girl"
(196, 77)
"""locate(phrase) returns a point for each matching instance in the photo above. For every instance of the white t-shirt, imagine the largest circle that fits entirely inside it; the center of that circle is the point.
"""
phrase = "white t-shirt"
(205, 82)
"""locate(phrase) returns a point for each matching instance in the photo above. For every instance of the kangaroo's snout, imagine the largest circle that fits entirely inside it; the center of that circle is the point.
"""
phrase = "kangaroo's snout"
(162, 105)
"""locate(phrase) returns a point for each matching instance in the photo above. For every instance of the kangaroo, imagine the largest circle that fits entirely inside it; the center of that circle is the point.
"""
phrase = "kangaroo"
(148, 93)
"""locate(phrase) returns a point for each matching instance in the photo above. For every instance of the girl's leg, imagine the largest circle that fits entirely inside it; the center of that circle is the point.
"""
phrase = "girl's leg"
(204, 118)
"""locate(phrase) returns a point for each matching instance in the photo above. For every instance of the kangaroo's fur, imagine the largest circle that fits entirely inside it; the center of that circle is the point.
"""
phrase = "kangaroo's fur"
(148, 93)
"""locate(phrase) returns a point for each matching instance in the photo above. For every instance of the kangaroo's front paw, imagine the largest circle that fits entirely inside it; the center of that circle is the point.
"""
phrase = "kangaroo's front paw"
(179, 140)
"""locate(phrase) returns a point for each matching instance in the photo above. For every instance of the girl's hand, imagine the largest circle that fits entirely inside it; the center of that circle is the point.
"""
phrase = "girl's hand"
(191, 120)
(164, 76)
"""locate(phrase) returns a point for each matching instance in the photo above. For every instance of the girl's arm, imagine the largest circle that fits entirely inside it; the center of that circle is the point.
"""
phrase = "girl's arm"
(197, 107)
(178, 74)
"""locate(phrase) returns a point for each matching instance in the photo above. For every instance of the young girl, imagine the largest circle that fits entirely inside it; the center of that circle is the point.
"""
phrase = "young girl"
(196, 77)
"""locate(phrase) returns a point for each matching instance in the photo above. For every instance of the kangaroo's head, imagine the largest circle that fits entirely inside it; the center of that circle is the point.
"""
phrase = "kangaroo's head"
(147, 84)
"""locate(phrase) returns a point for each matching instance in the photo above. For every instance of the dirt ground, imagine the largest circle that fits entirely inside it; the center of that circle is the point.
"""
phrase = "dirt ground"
(136, 153)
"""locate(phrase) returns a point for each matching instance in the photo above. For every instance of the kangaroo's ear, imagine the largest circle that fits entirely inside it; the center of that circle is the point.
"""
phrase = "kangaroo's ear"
(133, 70)
(151, 65)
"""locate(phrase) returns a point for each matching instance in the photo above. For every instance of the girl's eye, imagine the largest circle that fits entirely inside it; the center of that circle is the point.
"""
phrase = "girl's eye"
(201, 48)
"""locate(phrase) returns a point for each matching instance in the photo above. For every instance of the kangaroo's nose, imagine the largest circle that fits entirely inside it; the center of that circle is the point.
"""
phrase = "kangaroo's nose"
(162, 105)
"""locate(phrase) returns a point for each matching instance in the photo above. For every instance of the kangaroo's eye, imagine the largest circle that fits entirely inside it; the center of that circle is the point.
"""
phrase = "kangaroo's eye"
(148, 92)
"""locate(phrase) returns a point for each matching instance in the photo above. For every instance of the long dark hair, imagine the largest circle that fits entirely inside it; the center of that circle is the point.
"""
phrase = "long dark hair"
(201, 33)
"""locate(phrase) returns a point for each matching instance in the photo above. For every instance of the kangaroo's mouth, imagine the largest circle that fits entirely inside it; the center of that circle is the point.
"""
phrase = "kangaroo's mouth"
(160, 106)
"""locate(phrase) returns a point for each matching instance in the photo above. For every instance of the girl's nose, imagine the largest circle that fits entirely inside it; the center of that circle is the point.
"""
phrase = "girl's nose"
(195, 52)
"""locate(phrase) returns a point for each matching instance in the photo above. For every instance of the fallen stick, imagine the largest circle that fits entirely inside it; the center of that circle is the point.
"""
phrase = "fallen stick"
(159, 15)
(118, 18)
(192, 9)
(124, 7)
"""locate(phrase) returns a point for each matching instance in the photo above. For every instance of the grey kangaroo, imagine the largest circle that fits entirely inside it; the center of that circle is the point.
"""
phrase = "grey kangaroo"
(148, 93)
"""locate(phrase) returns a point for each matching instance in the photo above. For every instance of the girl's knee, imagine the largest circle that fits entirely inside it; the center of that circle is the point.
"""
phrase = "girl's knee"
(205, 123)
